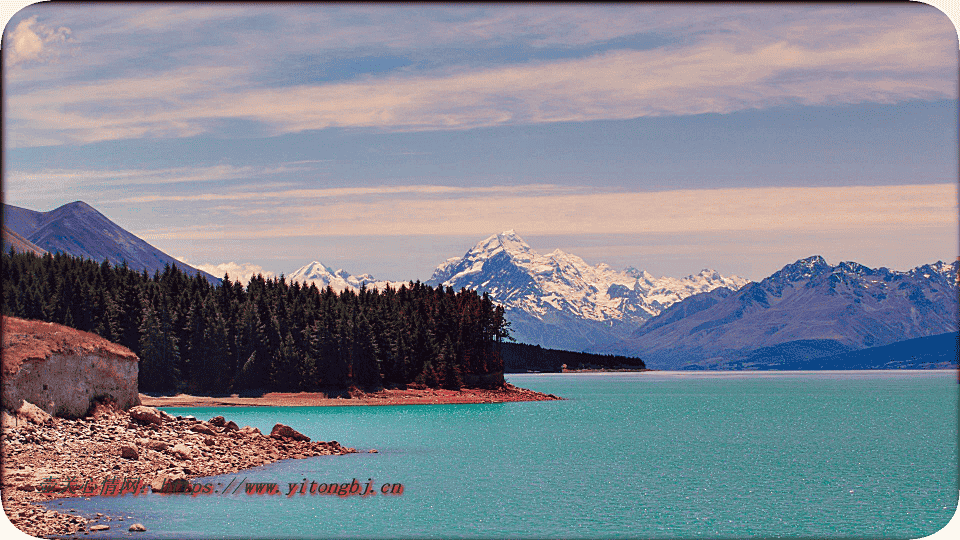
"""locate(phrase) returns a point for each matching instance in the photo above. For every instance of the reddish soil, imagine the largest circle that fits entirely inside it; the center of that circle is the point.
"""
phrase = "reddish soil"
(25, 340)
(410, 396)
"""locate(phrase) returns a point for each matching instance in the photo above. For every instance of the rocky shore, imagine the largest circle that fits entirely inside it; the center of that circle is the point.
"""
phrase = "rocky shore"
(42, 454)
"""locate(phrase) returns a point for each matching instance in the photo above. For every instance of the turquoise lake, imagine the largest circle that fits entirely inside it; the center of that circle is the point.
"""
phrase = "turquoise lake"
(631, 455)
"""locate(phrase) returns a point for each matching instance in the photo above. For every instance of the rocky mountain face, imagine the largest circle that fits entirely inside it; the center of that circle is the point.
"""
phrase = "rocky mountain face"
(559, 301)
(80, 230)
(808, 308)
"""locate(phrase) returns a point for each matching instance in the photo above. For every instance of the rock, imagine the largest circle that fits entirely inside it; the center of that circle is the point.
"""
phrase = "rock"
(231, 426)
(201, 428)
(374, 451)
(209, 442)
(30, 412)
(218, 421)
(129, 451)
(159, 446)
(146, 415)
(247, 430)
(96, 528)
(281, 431)
(181, 450)
(169, 483)
(9, 421)
(137, 527)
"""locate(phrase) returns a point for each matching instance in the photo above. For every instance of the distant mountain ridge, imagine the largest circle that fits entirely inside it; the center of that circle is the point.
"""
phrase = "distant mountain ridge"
(808, 308)
(323, 276)
(560, 301)
(80, 230)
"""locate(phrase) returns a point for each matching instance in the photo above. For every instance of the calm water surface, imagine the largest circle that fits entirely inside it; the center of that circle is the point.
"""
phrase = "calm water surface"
(639, 455)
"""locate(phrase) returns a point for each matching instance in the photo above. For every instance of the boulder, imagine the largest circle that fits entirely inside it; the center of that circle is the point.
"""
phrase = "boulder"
(146, 415)
(96, 528)
(202, 428)
(170, 484)
(159, 446)
(218, 421)
(30, 412)
(129, 451)
(231, 426)
(181, 450)
(281, 431)
(137, 527)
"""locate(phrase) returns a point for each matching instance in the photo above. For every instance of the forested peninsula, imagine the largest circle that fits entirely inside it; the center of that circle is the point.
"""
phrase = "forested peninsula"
(269, 335)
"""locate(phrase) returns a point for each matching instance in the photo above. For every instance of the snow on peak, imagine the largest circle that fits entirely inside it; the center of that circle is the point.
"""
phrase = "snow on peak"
(323, 276)
(520, 278)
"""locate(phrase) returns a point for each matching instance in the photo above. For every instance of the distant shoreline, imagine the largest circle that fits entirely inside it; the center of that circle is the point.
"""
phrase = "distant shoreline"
(410, 396)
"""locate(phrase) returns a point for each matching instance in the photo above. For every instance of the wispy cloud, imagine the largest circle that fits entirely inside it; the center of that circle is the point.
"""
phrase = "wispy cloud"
(295, 195)
(24, 182)
(793, 209)
(734, 60)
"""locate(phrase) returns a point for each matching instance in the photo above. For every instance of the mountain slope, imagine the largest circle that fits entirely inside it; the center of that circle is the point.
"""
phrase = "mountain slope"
(817, 308)
(20, 244)
(80, 230)
(558, 300)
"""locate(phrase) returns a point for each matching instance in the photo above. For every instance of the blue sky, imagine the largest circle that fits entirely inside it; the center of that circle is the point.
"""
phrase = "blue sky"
(384, 139)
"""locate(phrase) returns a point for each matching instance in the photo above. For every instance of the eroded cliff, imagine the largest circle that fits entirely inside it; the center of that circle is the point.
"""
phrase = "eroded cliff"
(63, 370)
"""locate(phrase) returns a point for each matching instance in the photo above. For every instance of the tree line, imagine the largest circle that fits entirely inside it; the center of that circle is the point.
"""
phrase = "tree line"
(520, 358)
(271, 334)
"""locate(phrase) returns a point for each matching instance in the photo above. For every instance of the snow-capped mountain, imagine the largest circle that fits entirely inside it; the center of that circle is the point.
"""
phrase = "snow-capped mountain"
(560, 301)
(808, 309)
(323, 276)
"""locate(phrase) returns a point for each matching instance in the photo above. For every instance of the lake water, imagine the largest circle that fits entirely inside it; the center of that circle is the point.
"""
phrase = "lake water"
(638, 455)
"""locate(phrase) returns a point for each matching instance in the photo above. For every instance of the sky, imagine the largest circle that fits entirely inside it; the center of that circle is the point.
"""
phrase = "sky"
(385, 139)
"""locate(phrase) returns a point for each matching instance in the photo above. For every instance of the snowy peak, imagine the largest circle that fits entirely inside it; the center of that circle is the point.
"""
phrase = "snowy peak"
(523, 280)
(323, 276)
(803, 269)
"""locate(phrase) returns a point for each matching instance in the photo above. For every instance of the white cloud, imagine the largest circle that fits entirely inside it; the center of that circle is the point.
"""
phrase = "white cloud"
(241, 272)
(31, 41)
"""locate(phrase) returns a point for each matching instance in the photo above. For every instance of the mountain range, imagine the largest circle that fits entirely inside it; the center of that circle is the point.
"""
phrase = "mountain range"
(559, 301)
(80, 230)
(808, 315)
(807, 309)
(323, 276)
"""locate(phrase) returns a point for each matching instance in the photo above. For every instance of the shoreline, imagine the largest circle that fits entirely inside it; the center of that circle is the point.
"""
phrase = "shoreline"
(145, 443)
(410, 396)
(42, 454)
